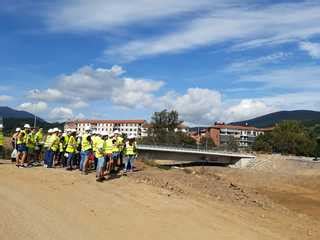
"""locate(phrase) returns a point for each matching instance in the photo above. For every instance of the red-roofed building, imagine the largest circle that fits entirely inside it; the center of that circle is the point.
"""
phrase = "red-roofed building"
(133, 128)
(245, 136)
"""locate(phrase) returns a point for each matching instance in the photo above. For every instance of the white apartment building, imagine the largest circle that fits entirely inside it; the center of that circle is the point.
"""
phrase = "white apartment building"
(135, 128)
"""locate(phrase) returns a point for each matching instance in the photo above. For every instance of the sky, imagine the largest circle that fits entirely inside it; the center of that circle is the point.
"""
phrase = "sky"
(211, 60)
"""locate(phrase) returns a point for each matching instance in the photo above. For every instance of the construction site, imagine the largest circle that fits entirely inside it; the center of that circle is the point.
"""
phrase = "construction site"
(273, 197)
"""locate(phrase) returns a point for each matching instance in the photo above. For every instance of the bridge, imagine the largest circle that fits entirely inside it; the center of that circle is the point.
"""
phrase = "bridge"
(177, 155)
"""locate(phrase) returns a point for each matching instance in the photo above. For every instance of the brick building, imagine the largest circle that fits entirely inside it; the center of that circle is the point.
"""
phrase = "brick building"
(245, 136)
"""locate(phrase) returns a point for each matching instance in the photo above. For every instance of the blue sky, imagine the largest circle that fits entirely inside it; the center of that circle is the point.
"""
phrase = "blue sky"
(208, 59)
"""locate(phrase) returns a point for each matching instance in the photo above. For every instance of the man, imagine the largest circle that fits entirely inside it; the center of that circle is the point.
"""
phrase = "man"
(95, 137)
(120, 144)
(71, 149)
(108, 147)
(31, 144)
(39, 145)
(86, 150)
(22, 146)
(1, 142)
(47, 145)
(54, 147)
(130, 150)
(99, 154)
(14, 140)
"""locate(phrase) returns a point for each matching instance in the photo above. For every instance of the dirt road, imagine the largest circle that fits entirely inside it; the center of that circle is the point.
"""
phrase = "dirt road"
(44, 204)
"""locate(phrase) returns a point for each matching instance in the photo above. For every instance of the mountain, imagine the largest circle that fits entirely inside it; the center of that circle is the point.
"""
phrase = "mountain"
(7, 112)
(276, 117)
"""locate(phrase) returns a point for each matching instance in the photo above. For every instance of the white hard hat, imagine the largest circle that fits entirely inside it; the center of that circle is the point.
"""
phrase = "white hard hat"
(18, 129)
(87, 128)
(111, 135)
(59, 131)
(73, 130)
(1, 126)
(55, 130)
(116, 132)
(104, 134)
(64, 134)
(131, 137)
(26, 126)
(50, 130)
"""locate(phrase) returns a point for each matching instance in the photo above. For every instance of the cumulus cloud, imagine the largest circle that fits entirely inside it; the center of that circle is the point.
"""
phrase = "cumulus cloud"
(61, 114)
(49, 94)
(33, 107)
(136, 92)
(246, 109)
(313, 49)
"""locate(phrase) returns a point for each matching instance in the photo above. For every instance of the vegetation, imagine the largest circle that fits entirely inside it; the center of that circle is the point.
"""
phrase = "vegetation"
(164, 130)
(288, 137)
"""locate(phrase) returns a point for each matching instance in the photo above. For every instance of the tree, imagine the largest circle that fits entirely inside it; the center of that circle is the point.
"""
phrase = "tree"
(263, 143)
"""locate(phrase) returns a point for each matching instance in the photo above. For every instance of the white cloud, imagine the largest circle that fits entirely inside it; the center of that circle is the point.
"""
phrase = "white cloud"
(251, 26)
(61, 114)
(136, 93)
(5, 98)
(313, 49)
(257, 63)
(246, 109)
(77, 15)
(49, 94)
(33, 107)
(197, 105)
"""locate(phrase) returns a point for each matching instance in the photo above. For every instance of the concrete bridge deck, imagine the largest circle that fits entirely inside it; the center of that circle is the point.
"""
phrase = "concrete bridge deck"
(185, 155)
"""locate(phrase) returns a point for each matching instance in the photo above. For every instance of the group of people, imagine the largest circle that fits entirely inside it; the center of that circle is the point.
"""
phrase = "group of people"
(103, 152)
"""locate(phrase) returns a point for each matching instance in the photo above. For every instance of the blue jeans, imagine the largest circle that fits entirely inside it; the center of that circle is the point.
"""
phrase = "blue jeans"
(101, 164)
(84, 157)
(128, 161)
(70, 160)
(50, 158)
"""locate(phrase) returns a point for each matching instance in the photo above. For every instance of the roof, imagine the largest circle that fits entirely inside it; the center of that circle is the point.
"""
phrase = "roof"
(93, 121)
(248, 128)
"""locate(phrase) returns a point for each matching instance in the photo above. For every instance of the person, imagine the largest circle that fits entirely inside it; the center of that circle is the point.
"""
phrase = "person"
(120, 144)
(53, 147)
(100, 155)
(31, 143)
(71, 149)
(108, 148)
(14, 140)
(39, 145)
(22, 146)
(86, 150)
(115, 154)
(1, 142)
(47, 144)
(130, 154)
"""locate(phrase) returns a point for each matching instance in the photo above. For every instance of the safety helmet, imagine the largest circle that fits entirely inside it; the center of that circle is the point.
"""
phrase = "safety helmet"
(50, 130)
(18, 129)
(87, 128)
(26, 126)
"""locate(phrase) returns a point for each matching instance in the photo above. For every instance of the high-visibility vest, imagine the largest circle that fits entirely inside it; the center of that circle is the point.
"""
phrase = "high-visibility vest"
(48, 141)
(95, 140)
(99, 153)
(54, 142)
(31, 141)
(21, 138)
(72, 145)
(115, 148)
(39, 136)
(120, 143)
(1, 138)
(85, 144)
(130, 149)
(108, 146)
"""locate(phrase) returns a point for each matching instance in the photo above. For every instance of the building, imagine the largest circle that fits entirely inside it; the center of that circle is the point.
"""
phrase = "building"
(222, 134)
(133, 128)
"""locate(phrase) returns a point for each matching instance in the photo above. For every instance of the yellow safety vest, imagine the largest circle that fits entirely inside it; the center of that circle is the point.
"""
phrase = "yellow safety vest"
(31, 141)
(39, 136)
(72, 145)
(120, 143)
(85, 144)
(95, 140)
(1, 138)
(108, 146)
(99, 153)
(130, 149)
(54, 142)
(21, 139)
